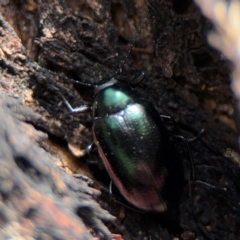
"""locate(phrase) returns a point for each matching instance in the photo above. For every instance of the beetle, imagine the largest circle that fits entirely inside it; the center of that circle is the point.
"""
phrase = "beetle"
(135, 145)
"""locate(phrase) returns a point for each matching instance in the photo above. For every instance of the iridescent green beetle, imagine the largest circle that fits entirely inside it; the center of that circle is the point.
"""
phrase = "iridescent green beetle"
(135, 146)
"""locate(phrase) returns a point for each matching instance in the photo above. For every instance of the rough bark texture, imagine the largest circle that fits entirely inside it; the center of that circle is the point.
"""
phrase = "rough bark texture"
(44, 45)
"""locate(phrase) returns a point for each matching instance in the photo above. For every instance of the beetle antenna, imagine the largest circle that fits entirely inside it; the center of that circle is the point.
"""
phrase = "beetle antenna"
(121, 63)
(196, 137)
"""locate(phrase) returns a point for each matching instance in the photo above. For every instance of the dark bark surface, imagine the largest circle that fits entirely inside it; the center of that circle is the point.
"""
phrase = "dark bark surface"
(44, 46)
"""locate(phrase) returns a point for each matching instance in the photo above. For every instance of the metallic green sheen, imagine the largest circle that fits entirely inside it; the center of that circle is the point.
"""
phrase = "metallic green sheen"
(112, 99)
(134, 145)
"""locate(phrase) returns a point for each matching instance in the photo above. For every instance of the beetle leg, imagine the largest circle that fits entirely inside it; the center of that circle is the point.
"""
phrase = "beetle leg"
(170, 119)
(166, 117)
(81, 109)
(210, 185)
(91, 148)
(113, 198)
(138, 79)
(189, 153)
(193, 176)
(196, 137)
(176, 125)
(110, 187)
